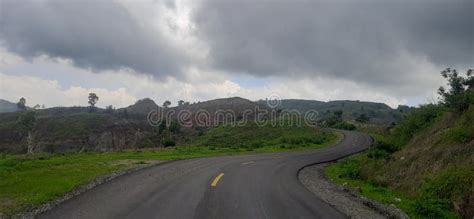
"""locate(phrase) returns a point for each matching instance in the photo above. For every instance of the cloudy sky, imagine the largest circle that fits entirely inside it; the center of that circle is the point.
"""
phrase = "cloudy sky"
(55, 52)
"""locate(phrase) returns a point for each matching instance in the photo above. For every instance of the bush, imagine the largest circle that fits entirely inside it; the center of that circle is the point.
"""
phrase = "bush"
(344, 126)
(350, 169)
(375, 153)
(168, 143)
(450, 188)
(457, 134)
(381, 150)
(429, 208)
(463, 130)
(416, 121)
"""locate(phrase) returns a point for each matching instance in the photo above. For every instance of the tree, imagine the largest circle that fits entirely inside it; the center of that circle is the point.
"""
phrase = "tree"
(166, 104)
(21, 105)
(162, 126)
(93, 98)
(338, 113)
(26, 122)
(180, 102)
(174, 126)
(460, 93)
(109, 109)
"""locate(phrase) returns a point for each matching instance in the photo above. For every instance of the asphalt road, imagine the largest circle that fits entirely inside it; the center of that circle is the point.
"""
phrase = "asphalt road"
(251, 186)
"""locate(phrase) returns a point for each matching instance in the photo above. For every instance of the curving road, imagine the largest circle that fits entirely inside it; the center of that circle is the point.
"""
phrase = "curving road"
(251, 186)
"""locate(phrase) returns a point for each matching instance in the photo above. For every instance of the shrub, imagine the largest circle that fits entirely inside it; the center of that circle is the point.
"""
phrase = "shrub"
(381, 150)
(350, 169)
(457, 134)
(463, 130)
(344, 126)
(450, 188)
(375, 153)
(168, 143)
(416, 121)
(429, 208)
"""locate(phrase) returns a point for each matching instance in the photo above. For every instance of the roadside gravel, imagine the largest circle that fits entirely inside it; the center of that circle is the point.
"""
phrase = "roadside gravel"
(343, 199)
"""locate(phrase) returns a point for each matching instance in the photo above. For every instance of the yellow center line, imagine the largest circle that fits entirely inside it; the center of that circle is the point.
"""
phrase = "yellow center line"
(216, 180)
(245, 163)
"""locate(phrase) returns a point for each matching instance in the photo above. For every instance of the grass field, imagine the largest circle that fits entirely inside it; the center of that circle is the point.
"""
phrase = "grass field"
(27, 181)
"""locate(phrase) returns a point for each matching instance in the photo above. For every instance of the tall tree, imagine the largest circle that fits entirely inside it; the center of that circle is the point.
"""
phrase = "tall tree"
(26, 122)
(93, 98)
(21, 105)
(460, 92)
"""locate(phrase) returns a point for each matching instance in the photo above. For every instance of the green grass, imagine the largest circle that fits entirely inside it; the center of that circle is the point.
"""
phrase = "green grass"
(252, 136)
(425, 160)
(348, 172)
(27, 181)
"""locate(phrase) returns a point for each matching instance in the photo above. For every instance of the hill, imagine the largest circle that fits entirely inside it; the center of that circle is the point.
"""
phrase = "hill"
(143, 107)
(214, 112)
(7, 106)
(70, 129)
(378, 113)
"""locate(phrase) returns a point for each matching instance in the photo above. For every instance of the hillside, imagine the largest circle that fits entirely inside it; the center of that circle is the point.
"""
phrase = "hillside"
(72, 129)
(7, 106)
(426, 161)
(214, 112)
(378, 113)
(252, 136)
(141, 107)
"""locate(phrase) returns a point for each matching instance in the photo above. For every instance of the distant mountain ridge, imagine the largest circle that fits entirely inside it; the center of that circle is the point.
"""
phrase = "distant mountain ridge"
(7, 106)
(379, 113)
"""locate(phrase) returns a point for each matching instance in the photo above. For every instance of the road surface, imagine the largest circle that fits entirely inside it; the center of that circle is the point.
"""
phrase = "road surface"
(250, 186)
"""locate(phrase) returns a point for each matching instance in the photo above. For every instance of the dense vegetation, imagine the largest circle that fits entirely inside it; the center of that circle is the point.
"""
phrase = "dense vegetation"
(424, 164)
(335, 121)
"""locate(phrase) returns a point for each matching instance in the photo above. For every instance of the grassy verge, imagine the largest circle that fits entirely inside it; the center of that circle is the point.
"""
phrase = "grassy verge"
(423, 165)
(26, 181)
(348, 172)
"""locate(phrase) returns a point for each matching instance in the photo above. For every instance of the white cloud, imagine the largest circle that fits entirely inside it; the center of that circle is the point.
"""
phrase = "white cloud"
(50, 92)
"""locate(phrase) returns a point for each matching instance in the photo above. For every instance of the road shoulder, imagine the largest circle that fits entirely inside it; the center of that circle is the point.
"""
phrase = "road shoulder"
(344, 199)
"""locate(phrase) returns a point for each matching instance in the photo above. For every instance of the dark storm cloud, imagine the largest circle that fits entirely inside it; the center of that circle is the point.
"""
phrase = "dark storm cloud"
(368, 41)
(98, 35)
(356, 40)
